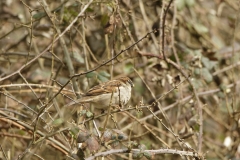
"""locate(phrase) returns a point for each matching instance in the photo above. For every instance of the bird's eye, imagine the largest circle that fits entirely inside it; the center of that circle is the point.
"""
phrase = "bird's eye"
(130, 82)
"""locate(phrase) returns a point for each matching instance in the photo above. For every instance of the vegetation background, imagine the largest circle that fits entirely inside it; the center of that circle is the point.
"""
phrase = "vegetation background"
(182, 55)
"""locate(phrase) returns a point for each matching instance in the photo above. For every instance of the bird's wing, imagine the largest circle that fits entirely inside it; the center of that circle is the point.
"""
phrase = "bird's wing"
(104, 88)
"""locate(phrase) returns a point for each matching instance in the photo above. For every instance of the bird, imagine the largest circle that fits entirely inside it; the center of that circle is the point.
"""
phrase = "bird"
(115, 92)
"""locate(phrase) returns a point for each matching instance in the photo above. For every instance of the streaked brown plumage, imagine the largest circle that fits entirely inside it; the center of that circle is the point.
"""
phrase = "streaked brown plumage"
(114, 92)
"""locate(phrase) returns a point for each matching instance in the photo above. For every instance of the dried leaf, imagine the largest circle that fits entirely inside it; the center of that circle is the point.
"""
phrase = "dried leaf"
(92, 144)
(113, 22)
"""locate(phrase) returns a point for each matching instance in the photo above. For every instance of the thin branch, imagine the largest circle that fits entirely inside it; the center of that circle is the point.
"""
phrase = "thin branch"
(155, 152)
(163, 29)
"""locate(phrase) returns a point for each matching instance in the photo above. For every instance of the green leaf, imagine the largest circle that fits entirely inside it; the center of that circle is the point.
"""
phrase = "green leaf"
(137, 155)
(78, 57)
(197, 71)
(58, 122)
(200, 28)
(91, 75)
(39, 15)
(148, 155)
(89, 114)
(104, 73)
(128, 68)
(104, 19)
(180, 4)
(196, 52)
(74, 131)
(138, 86)
(22, 132)
(69, 13)
(101, 129)
(207, 75)
(190, 3)
(40, 75)
(196, 83)
(223, 87)
(90, 10)
(83, 112)
(102, 78)
(208, 64)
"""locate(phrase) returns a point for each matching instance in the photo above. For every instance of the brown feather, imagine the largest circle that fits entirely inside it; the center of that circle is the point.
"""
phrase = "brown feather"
(104, 88)
(99, 95)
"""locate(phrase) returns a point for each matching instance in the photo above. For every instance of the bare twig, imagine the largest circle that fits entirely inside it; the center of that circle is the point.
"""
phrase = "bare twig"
(159, 151)
(163, 29)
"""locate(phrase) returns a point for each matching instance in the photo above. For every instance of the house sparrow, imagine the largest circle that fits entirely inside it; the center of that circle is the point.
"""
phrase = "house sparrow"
(110, 93)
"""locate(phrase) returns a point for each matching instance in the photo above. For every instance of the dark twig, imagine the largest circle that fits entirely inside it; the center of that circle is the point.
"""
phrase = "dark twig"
(3, 152)
(163, 29)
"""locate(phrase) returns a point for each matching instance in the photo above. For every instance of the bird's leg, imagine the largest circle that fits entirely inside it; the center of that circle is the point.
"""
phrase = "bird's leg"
(119, 95)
